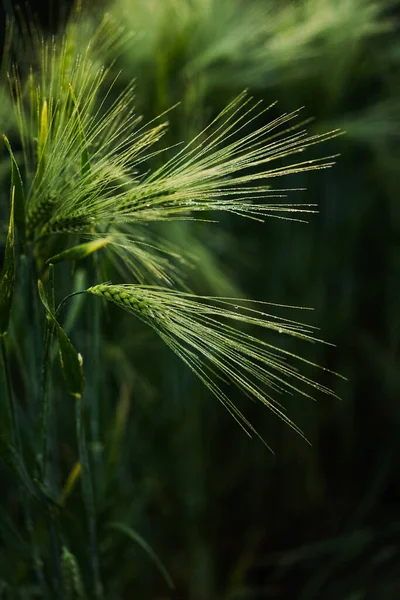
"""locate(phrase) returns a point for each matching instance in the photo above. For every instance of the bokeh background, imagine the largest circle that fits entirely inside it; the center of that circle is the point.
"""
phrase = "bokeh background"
(228, 518)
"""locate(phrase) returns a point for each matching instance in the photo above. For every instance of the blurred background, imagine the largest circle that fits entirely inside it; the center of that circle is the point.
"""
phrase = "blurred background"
(230, 519)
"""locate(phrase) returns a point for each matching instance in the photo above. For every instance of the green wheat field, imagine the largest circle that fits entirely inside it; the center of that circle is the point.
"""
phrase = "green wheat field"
(199, 300)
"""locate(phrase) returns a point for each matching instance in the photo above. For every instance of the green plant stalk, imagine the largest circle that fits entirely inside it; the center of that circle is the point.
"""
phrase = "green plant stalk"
(11, 407)
(37, 562)
(49, 455)
(25, 355)
(46, 426)
(36, 337)
(64, 300)
(25, 366)
(48, 434)
(95, 389)
(88, 497)
(56, 551)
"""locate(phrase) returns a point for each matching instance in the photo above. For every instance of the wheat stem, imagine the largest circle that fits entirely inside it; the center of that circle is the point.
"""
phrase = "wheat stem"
(56, 553)
(36, 329)
(88, 497)
(64, 300)
(15, 436)
(95, 386)
(48, 438)
(37, 561)
(11, 408)
(47, 421)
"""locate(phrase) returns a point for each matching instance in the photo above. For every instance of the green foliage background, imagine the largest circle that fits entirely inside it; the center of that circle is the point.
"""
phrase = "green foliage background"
(227, 518)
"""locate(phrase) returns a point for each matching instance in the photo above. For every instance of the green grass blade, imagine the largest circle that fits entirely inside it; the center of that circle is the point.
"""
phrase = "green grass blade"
(19, 199)
(11, 535)
(42, 142)
(88, 498)
(47, 429)
(71, 361)
(13, 461)
(137, 538)
(10, 399)
(8, 274)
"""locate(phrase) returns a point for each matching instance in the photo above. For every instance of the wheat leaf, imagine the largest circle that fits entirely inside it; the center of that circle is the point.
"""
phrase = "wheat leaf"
(71, 361)
(8, 274)
(19, 197)
(79, 252)
(136, 537)
(12, 459)
(71, 481)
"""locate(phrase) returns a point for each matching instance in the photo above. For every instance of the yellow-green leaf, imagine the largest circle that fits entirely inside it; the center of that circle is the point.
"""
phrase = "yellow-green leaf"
(71, 481)
(71, 361)
(8, 274)
(79, 252)
(42, 142)
(43, 130)
(19, 200)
